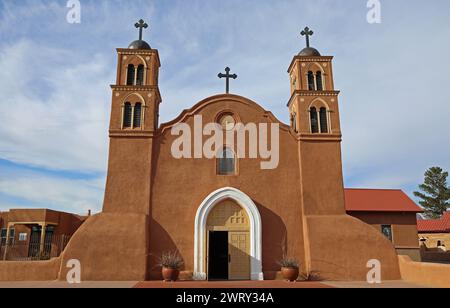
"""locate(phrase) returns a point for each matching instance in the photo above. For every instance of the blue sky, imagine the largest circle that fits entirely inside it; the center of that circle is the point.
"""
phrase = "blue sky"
(55, 77)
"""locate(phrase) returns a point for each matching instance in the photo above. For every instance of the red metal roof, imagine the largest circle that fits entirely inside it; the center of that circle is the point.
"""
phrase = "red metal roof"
(435, 225)
(379, 200)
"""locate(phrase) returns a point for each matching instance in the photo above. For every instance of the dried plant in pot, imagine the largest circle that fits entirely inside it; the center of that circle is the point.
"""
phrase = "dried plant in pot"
(171, 263)
(290, 268)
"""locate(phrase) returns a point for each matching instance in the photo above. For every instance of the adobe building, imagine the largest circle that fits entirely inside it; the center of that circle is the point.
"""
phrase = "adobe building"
(434, 236)
(390, 212)
(435, 231)
(155, 202)
(35, 234)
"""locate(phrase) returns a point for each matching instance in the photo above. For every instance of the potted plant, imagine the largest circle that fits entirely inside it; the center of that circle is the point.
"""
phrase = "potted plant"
(290, 268)
(171, 263)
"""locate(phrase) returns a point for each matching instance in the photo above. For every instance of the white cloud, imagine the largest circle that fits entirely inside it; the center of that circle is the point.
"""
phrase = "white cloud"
(65, 127)
(76, 196)
(393, 104)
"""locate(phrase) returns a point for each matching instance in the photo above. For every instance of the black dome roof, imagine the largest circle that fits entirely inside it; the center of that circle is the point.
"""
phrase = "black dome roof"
(309, 52)
(139, 44)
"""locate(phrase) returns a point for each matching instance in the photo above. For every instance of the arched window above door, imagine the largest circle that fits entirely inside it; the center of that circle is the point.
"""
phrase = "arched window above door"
(226, 162)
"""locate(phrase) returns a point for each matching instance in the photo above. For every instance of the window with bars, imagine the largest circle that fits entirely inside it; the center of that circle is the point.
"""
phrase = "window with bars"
(130, 75)
(137, 115)
(323, 120)
(127, 115)
(12, 235)
(226, 162)
(314, 120)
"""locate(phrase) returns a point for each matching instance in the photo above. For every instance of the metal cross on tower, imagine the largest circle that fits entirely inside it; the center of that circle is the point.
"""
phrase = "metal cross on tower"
(227, 76)
(141, 25)
(307, 32)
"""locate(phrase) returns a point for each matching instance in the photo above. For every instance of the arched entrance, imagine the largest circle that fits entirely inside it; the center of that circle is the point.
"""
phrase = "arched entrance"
(228, 217)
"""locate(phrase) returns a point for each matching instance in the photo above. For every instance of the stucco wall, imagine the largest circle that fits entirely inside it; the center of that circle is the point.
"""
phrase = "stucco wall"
(110, 247)
(66, 223)
(30, 271)
(433, 238)
(128, 181)
(425, 274)
(413, 253)
(404, 229)
(180, 186)
(342, 245)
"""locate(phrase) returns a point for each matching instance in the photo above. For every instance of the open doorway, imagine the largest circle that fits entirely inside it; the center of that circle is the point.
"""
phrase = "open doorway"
(218, 256)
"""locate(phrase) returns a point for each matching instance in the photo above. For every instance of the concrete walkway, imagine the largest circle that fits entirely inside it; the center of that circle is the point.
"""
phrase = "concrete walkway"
(398, 284)
(62, 284)
(268, 284)
(214, 285)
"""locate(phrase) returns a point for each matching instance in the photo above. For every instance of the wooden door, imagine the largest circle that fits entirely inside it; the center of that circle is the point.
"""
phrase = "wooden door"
(228, 216)
(239, 259)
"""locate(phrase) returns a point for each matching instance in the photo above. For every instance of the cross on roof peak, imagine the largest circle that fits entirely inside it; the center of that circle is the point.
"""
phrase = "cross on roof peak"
(307, 32)
(141, 24)
(227, 76)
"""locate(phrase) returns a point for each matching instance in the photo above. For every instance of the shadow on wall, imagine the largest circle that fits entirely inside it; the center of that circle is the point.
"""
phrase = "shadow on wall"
(274, 241)
(160, 242)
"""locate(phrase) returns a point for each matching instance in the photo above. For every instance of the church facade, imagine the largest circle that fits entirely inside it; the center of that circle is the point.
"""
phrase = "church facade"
(227, 217)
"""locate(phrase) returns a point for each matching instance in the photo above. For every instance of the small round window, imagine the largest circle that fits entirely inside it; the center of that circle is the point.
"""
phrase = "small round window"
(227, 122)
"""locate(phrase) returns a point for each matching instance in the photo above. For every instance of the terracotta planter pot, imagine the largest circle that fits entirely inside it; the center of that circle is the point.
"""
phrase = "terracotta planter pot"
(290, 274)
(170, 274)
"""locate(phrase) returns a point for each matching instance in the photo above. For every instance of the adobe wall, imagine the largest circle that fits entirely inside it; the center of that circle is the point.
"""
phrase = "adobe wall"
(404, 230)
(433, 238)
(27, 215)
(30, 271)
(180, 186)
(322, 181)
(128, 180)
(434, 256)
(425, 274)
(342, 245)
(68, 224)
(404, 226)
(110, 247)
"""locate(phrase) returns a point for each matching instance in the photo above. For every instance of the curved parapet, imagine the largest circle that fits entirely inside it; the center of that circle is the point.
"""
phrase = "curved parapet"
(341, 246)
(110, 247)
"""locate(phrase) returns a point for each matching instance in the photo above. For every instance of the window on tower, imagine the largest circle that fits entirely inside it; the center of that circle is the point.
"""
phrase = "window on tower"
(130, 75)
(323, 120)
(294, 122)
(319, 81)
(137, 115)
(314, 120)
(127, 115)
(226, 162)
(311, 83)
(140, 75)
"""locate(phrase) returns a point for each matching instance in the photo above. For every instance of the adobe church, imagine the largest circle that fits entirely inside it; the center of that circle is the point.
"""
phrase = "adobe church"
(227, 217)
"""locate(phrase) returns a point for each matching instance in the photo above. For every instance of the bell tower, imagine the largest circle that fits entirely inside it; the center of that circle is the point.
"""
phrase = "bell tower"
(134, 122)
(314, 112)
